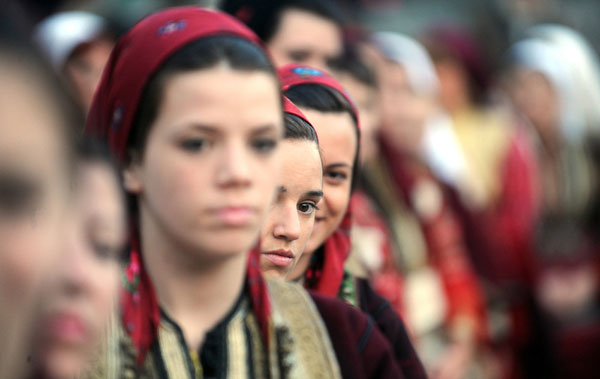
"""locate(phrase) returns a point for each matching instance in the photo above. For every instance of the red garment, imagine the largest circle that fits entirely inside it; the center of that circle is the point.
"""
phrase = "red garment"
(388, 280)
(133, 61)
(328, 277)
(444, 238)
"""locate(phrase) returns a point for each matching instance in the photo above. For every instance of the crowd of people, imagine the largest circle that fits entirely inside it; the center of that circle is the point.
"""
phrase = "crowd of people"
(267, 190)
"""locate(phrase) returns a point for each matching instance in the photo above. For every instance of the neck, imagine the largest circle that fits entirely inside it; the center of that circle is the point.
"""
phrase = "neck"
(195, 291)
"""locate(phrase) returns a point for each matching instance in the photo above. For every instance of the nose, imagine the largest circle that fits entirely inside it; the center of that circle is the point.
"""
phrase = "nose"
(76, 271)
(234, 166)
(288, 223)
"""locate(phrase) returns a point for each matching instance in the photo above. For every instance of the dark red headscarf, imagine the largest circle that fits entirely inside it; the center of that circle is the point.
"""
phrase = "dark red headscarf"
(327, 279)
(133, 61)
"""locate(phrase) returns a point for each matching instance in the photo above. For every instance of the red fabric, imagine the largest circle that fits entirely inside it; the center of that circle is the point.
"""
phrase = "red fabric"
(133, 60)
(388, 280)
(289, 107)
(293, 74)
(327, 278)
(445, 242)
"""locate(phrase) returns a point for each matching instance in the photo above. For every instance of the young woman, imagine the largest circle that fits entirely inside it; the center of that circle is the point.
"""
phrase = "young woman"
(191, 105)
(35, 152)
(290, 220)
(80, 295)
(321, 267)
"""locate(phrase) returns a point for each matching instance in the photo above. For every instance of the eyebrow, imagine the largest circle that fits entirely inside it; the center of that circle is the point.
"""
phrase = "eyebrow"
(335, 165)
(282, 189)
(214, 130)
(316, 193)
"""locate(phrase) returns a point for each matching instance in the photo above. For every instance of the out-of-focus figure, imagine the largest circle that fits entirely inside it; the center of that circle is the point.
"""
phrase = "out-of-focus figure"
(35, 155)
(441, 299)
(80, 295)
(554, 84)
(295, 31)
(78, 45)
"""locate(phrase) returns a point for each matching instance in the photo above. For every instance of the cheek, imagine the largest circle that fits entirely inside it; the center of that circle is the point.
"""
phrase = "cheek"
(28, 251)
(337, 198)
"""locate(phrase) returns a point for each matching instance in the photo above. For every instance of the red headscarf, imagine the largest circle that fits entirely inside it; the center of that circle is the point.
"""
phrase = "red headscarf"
(328, 278)
(291, 108)
(133, 61)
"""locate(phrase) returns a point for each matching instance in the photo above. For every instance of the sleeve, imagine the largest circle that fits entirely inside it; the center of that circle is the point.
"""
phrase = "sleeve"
(362, 351)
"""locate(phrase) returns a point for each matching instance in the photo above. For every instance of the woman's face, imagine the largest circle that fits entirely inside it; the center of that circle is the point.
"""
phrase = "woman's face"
(404, 112)
(79, 298)
(367, 101)
(337, 138)
(306, 38)
(210, 166)
(290, 220)
(534, 96)
(34, 192)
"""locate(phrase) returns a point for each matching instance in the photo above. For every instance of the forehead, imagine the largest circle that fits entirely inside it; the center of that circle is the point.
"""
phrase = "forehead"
(301, 165)
(359, 91)
(222, 96)
(29, 125)
(337, 135)
(307, 29)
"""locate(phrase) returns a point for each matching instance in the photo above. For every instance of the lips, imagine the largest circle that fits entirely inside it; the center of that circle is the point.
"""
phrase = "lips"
(235, 215)
(67, 328)
(280, 257)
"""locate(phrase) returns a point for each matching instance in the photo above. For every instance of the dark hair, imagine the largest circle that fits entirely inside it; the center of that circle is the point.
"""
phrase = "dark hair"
(324, 99)
(204, 53)
(351, 64)
(297, 128)
(264, 17)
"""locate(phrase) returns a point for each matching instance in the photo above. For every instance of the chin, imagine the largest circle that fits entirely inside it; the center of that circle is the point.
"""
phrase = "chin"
(229, 242)
(270, 271)
(64, 364)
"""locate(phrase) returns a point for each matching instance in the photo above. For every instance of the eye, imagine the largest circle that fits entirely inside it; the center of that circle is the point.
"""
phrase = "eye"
(335, 177)
(194, 145)
(299, 56)
(18, 196)
(264, 145)
(307, 207)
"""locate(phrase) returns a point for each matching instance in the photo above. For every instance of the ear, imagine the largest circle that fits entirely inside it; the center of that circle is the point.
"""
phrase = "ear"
(131, 179)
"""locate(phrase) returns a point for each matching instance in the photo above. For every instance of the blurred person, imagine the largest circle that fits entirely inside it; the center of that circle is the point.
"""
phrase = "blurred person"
(197, 128)
(544, 88)
(501, 201)
(372, 255)
(290, 220)
(321, 267)
(420, 161)
(78, 45)
(78, 298)
(295, 31)
(35, 173)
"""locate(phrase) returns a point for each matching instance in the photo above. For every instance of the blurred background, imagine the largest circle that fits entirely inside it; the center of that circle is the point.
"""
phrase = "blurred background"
(478, 206)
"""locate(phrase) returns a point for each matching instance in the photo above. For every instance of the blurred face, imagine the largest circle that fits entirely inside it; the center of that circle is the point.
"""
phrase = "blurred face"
(291, 218)
(79, 298)
(337, 139)
(367, 101)
(404, 112)
(34, 189)
(534, 96)
(84, 69)
(307, 38)
(210, 166)
(454, 85)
